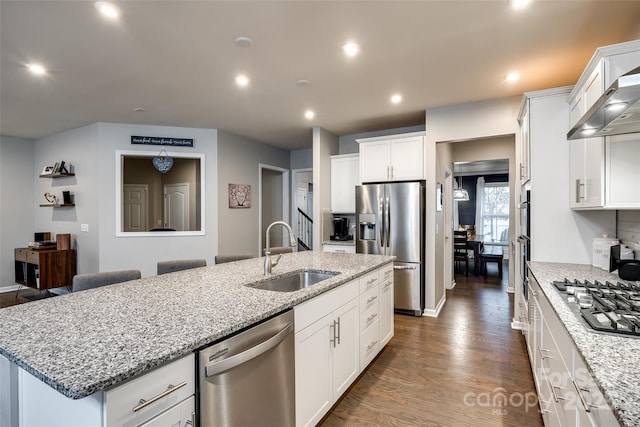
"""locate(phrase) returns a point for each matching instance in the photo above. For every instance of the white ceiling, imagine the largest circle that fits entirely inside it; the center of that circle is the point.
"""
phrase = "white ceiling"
(177, 59)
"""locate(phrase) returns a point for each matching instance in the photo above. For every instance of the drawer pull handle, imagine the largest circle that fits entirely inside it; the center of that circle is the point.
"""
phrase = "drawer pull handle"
(556, 397)
(542, 355)
(372, 345)
(370, 318)
(587, 406)
(370, 300)
(169, 390)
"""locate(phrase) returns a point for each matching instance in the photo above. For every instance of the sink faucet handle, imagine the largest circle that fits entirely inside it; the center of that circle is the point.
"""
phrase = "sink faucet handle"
(274, 263)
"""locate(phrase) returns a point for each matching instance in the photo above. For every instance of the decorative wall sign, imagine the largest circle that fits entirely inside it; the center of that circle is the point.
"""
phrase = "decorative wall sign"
(162, 140)
(163, 162)
(239, 196)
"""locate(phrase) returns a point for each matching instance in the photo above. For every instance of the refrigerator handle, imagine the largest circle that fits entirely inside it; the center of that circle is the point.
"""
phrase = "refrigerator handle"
(388, 222)
(381, 221)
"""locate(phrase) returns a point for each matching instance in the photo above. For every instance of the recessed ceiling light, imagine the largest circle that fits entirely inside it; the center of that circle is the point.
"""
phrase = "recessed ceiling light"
(309, 114)
(139, 109)
(107, 9)
(243, 41)
(303, 83)
(512, 77)
(518, 4)
(37, 69)
(242, 80)
(351, 49)
(396, 99)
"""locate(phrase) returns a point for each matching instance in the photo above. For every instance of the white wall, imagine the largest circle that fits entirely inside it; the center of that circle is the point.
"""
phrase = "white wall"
(238, 163)
(115, 253)
(325, 144)
(17, 202)
(77, 147)
(457, 123)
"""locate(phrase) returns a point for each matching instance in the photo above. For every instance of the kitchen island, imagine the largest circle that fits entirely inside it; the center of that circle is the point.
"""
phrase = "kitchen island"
(89, 341)
(612, 361)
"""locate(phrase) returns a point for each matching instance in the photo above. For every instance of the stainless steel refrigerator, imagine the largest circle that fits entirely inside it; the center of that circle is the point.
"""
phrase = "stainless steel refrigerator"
(390, 221)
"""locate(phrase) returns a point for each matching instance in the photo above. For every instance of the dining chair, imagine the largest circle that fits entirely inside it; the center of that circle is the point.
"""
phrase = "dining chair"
(460, 250)
(221, 259)
(81, 282)
(165, 267)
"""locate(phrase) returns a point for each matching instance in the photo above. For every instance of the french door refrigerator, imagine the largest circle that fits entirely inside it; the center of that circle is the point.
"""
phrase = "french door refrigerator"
(390, 218)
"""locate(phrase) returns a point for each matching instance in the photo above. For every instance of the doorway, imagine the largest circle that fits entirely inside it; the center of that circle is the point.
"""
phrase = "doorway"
(302, 206)
(273, 194)
(176, 206)
(135, 207)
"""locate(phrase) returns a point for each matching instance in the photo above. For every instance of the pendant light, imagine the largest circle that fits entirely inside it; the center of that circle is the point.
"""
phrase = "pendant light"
(460, 194)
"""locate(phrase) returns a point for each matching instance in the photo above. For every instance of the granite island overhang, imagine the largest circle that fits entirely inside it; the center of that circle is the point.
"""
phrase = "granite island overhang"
(88, 341)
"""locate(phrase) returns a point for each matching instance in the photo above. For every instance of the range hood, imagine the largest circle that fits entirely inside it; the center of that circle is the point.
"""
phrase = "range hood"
(616, 112)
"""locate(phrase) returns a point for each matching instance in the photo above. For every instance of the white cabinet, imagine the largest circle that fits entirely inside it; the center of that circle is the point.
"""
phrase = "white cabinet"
(524, 148)
(345, 175)
(326, 342)
(386, 303)
(343, 249)
(169, 391)
(567, 394)
(392, 158)
(336, 341)
(601, 173)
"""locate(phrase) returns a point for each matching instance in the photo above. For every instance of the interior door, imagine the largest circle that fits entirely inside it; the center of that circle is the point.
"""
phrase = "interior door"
(135, 207)
(176, 206)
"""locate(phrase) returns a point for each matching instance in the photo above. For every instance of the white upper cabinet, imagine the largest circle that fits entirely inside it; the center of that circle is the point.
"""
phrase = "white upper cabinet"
(345, 175)
(392, 158)
(603, 173)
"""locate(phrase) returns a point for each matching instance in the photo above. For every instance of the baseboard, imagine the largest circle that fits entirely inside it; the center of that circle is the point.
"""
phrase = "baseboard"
(9, 288)
(436, 312)
(452, 284)
(516, 324)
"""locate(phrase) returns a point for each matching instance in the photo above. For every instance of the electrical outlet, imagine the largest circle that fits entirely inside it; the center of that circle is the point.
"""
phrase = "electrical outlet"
(84, 227)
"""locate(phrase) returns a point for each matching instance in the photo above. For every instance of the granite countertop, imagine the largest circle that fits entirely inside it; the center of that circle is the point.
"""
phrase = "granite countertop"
(88, 341)
(614, 361)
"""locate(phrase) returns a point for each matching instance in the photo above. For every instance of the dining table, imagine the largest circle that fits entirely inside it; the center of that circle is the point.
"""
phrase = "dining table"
(476, 244)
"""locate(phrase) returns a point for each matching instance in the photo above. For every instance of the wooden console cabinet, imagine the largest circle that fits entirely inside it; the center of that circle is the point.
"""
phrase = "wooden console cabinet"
(55, 268)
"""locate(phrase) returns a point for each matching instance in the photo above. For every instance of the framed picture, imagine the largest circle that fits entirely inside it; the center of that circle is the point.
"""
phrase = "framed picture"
(439, 197)
(239, 196)
(48, 170)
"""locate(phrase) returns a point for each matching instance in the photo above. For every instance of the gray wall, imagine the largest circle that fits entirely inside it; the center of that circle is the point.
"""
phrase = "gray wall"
(302, 159)
(239, 160)
(17, 204)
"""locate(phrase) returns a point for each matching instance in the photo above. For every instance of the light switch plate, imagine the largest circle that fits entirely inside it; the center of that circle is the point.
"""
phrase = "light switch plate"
(84, 227)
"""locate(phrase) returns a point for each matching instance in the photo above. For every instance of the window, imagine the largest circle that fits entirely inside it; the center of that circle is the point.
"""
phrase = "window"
(495, 212)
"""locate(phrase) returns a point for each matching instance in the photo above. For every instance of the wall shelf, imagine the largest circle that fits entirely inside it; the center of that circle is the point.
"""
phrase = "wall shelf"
(57, 175)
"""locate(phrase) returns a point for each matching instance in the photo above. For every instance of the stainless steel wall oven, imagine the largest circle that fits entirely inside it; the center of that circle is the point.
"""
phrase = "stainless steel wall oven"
(525, 240)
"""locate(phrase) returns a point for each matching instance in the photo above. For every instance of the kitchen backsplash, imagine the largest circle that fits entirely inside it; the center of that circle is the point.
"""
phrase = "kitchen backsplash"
(628, 229)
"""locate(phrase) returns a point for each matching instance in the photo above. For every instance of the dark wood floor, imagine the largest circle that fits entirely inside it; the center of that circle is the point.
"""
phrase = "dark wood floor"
(465, 368)
(7, 299)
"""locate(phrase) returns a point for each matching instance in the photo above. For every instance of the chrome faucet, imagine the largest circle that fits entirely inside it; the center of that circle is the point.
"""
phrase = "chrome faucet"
(268, 264)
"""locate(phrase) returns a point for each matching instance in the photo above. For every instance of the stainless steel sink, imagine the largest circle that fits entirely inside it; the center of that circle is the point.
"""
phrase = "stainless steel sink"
(294, 281)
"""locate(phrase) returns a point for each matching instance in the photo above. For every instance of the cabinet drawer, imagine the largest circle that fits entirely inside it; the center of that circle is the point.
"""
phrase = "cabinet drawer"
(368, 281)
(369, 299)
(589, 395)
(179, 415)
(21, 255)
(121, 400)
(369, 345)
(33, 257)
(369, 317)
(343, 249)
(386, 273)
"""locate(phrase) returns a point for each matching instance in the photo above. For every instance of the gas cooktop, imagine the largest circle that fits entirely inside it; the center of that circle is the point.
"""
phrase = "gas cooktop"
(605, 307)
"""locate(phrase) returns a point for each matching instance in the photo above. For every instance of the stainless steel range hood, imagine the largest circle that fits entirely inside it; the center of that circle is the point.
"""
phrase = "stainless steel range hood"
(616, 112)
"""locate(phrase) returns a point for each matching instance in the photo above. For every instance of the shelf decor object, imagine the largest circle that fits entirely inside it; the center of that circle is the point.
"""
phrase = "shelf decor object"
(163, 162)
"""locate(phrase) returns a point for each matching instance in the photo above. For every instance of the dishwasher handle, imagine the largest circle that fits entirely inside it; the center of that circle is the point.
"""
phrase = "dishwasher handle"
(240, 358)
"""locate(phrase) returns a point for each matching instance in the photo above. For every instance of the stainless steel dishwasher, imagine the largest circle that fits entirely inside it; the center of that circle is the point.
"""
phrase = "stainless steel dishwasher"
(248, 379)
